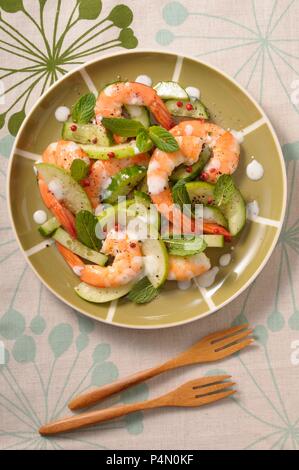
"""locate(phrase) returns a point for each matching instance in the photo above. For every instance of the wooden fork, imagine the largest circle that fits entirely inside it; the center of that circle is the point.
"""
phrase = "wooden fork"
(209, 349)
(193, 393)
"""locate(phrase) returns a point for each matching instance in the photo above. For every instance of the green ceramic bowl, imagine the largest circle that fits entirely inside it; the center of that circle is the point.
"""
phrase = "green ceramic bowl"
(230, 107)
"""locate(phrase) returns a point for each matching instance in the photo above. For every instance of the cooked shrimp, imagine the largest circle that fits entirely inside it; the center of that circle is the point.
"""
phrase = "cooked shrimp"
(159, 170)
(184, 268)
(62, 154)
(102, 171)
(72, 260)
(225, 147)
(113, 97)
(62, 214)
(125, 268)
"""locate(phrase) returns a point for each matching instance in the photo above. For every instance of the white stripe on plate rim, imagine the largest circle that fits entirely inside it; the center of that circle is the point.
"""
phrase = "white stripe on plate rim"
(29, 155)
(265, 221)
(252, 127)
(205, 295)
(91, 86)
(177, 69)
(40, 246)
(111, 311)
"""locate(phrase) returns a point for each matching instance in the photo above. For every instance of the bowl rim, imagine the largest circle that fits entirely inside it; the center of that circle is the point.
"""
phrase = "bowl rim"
(263, 116)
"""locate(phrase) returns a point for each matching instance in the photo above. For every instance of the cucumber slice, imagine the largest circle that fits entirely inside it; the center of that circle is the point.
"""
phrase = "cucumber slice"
(170, 90)
(214, 241)
(85, 133)
(142, 186)
(198, 111)
(112, 214)
(194, 170)
(73, 194)
(49, 227)
(78, 248)
(200, 192)
(235, 212)
(155, 261)
(214, 215)
(104, 153)
(145, 211)
(123, 182)
(142, 198)
(100, 295)
(139, 113)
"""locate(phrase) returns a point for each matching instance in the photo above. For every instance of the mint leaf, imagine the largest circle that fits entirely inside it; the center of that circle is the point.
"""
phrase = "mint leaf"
(185, 246)
(79, 169)
(143, 292)
(83, 109)
(86, 229)
(143, 141)
(122, 126)
(180, 194)
(163, 139)
(224, 189)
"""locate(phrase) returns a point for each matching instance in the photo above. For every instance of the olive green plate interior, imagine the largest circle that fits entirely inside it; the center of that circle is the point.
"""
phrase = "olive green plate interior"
(230, 107)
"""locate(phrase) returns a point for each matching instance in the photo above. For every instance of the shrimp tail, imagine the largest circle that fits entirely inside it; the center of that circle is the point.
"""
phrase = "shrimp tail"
(62, 214)
(161, 113)
(215, 229)
(70, 257)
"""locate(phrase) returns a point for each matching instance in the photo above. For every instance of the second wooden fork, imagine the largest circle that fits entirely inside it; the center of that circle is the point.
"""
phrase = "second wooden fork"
(191, 394)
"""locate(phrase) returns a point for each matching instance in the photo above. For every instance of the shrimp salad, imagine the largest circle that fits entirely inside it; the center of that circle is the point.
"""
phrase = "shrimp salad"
(140, 189)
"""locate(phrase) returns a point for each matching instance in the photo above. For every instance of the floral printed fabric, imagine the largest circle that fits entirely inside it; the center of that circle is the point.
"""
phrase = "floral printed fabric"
(49, 352)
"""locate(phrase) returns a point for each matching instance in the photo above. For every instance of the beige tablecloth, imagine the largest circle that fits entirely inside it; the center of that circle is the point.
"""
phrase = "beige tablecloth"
(51, 351)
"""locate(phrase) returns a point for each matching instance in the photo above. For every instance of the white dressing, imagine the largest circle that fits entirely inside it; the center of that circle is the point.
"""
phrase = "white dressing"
(62, 113)
(252, 209)
(78, 270)
(238, 135)
(225, 259)
(207, 279)
(184, 285)
(193, 92)
(189, 129)
(255, 170)
(56, 188)
(40, 217)
(144, 80)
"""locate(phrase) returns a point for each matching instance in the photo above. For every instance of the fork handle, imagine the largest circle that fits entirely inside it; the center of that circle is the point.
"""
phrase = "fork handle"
(94, 417)
(93, 396)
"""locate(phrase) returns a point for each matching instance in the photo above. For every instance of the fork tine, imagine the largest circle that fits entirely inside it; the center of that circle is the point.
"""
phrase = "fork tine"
(233, 349)
(214, 397)
(206, 381)
(231, 339)
(224, 333)
(213, 388)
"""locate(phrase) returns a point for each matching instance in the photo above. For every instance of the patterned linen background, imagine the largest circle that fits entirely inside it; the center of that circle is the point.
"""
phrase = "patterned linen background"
(51, 352)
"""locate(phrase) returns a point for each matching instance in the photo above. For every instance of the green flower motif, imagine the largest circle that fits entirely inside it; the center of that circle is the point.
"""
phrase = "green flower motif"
(134, 422)
(82, 342)
(104, 374)
(12, 324)
(38, 325)
(275, 321)
(137, 393)
(174, 13)
(86, 325)
(24, 349)
(101, 353)
(294, 321)
(42, 66)
(60, 339)
(6, 144)
(261, 334)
